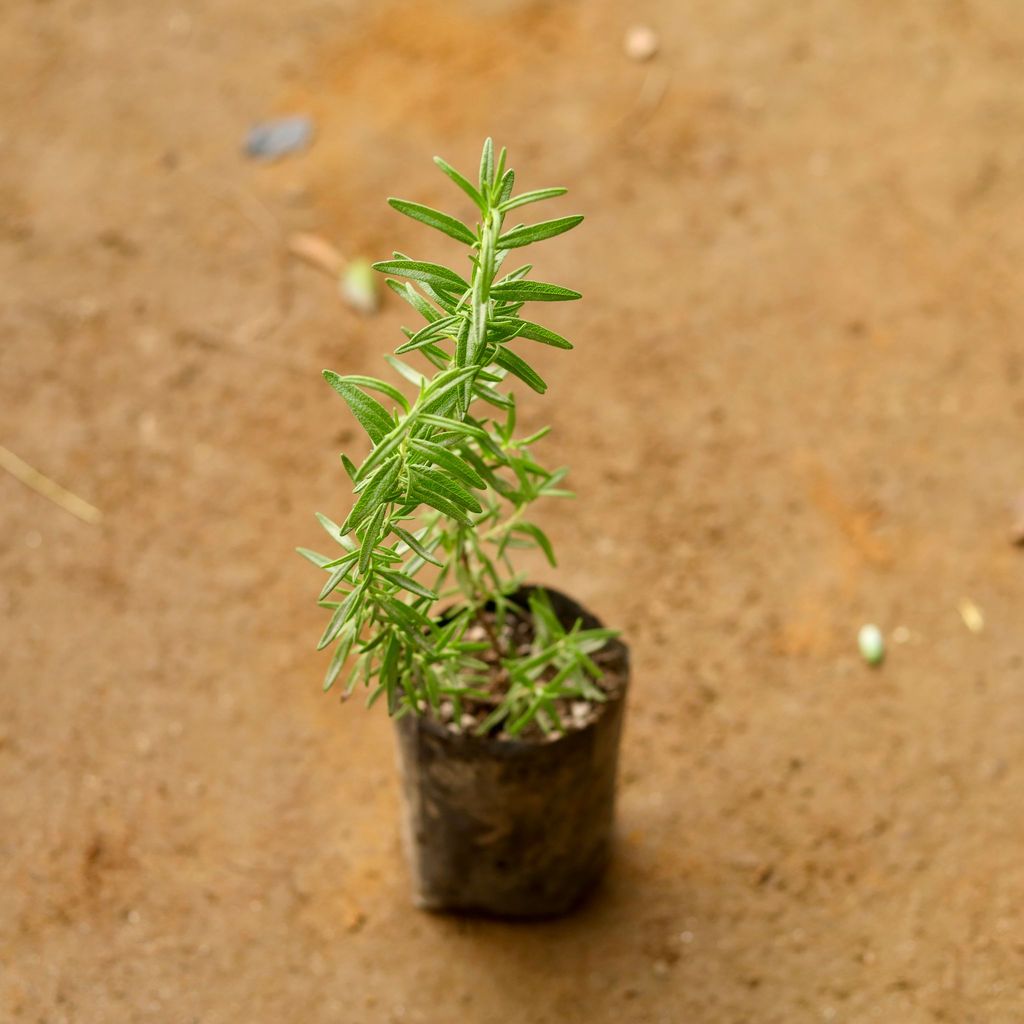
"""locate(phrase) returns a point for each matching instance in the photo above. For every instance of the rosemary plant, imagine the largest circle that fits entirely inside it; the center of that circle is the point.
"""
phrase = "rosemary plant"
(443, 495)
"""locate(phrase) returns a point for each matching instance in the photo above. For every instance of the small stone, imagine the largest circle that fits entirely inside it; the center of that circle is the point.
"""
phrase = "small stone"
(467, 721)
(971, 614)
(358, 287)
(871, 644)
(640, 43)
(278, 137)
(900, 635)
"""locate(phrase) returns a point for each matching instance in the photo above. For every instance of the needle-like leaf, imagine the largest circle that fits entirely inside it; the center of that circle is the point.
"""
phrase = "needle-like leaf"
(527, 233)
(435, 219)
(432, 274)
(462, 182)
(532, 291)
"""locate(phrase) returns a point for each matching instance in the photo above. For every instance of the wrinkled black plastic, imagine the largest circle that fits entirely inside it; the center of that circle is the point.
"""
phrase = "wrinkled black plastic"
(508, 827)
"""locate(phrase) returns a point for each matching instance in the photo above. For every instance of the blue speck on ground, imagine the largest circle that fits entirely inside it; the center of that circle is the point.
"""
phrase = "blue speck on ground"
(278, 137)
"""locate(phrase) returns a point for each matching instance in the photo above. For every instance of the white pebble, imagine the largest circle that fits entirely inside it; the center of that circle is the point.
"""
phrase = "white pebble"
(971, 614)
(358, 287)
(640, 43)
(871, 644)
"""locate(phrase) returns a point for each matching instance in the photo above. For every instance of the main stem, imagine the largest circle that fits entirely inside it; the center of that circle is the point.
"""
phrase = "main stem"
(483, 277)
(480, 298)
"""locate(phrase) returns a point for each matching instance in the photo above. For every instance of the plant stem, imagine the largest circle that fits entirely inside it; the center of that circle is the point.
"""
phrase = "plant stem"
(478, 599)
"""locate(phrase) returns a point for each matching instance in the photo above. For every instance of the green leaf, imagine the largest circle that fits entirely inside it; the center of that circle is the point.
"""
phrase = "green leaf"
(335, 532)
(407, 583)
(317, 559)
(518, 274)
(508, 360)
(388, 673)
(374, 384)
(532, 291)
(447, 302)
(504, 328)
(413, 621)
(458, 427)
(490, 395)
(413, 376)
(370, 413)
(370, 537)
(445, 458)
(435, 219)
(510, 422)
(508, 179)
(526, 234)
(349, 466)
(409, 294)
(543, 542)
(380, 490)
(499, 169)
(385, 449)
(531, 197)
(462, 182)
(534, 437)
(424, 492)
(425, 335)
(338, 575)
(432, 274)
(523, 720)
(486, 167)
(340, 616)
(499, 714)
(415, 544)
(437, 398)
(341, 653)
(435, 482)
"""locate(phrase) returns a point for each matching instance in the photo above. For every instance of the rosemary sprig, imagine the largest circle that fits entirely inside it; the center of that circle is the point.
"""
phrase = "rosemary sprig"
(449, 487)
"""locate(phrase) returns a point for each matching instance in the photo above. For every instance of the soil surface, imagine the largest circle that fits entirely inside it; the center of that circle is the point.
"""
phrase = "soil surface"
(513, 635)
(796, 405)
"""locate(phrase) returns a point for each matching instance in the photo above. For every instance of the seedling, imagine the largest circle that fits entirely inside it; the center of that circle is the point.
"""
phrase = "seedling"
(421, 591)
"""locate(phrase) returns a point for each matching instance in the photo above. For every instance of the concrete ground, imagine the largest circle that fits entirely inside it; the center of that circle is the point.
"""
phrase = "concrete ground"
(796, 405)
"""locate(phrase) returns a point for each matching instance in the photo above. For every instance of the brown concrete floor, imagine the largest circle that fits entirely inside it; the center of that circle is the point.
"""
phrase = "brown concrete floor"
(796, 405)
